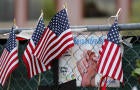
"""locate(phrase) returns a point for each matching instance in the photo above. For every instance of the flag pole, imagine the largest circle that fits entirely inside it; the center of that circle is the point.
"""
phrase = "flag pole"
(8, 88)
(14, 22)
(65, 7)
(39, 78)
(117, 14)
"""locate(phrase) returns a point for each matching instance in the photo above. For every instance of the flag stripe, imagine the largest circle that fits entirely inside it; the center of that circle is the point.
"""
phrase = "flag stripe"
(114, 63)
(118, 70)
(55, 40)
(32, 64)
(8, 59)
(11, 62)
(110, 63)
(107, 44)
(47, 34)
(64, 48)
(106, 56)
(116, 67)
(11, 69)
(8, 67)
(112, 60)
(99, 65)
(52, 46)
(37, 66)
(109, 59)
(45, 44)
(27, 58)
(56, 51)
(67, 45)
(58, 47)
(120, 73)
(4, 56)
(59, 42)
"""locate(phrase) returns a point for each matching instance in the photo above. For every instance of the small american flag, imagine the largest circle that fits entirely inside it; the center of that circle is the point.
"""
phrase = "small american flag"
(33, 65)
(110, 61)
(9, 58)
(57, 38)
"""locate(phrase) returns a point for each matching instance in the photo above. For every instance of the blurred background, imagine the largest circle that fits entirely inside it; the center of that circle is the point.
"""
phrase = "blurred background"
(80, 12)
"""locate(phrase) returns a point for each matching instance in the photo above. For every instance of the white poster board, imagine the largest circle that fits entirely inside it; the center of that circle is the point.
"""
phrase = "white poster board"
(68, 63)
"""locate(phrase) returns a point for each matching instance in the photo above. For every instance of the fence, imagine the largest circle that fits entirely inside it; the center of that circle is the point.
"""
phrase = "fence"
(19, 81)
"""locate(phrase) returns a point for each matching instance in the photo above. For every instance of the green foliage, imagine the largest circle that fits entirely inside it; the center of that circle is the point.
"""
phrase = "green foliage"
(138, 63)
(48, 9)
(136, 71)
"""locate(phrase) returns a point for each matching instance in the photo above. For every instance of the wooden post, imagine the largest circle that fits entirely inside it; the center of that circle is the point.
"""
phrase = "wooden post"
(126, 6)
(20, 12)
(74, 8)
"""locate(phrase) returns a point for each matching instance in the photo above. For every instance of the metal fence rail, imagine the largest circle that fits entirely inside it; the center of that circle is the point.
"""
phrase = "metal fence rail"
(129, 26)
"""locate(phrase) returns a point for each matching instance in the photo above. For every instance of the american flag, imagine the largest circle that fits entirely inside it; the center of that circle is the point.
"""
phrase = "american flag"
(9, 58)
(57, 38)
(110, 61)
(33, 65)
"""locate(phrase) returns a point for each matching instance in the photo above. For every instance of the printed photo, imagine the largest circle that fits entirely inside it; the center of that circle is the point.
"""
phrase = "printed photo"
(80, 62)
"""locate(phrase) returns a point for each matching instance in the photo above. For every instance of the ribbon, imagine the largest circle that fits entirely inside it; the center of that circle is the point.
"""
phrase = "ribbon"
(104, 86)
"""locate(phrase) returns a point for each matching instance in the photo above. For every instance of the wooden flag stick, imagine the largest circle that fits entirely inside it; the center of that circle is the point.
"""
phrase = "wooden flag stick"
(65, 7)
(8, 88)
(117, 14)
(99, 87)
(41, 15)
(41, 12)
(39, 79)
(14, 22)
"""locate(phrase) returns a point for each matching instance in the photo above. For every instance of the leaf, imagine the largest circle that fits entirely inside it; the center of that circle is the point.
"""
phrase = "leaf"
(138, 63)
(137, 71)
